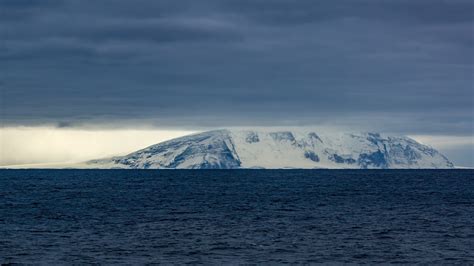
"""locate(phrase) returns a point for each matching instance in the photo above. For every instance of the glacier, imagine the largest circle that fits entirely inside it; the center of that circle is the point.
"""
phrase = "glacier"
(267, 149)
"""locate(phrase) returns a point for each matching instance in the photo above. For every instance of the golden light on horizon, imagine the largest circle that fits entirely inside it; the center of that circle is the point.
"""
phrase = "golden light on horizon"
(41, 145)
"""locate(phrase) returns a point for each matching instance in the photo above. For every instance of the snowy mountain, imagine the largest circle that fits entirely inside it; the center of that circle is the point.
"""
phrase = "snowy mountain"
(226, 149)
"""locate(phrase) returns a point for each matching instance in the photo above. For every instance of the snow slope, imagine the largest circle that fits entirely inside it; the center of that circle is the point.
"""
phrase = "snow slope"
(228, 149)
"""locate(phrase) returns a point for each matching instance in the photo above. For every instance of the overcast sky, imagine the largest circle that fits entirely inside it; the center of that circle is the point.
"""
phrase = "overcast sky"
(403, 66)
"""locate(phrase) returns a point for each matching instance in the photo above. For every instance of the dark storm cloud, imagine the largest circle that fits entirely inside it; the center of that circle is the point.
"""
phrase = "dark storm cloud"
(393, 65)
(401, 11)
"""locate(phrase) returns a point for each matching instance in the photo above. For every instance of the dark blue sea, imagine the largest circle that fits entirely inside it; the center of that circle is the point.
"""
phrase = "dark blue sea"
(236, 216)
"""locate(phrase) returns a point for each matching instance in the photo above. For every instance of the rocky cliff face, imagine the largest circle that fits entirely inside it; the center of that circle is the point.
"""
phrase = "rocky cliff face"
(229, 149)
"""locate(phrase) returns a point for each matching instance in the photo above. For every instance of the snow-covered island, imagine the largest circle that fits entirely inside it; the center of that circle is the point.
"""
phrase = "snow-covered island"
(233, 149)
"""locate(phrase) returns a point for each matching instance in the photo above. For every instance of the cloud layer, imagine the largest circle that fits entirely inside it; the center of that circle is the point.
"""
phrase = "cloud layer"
(402, 65)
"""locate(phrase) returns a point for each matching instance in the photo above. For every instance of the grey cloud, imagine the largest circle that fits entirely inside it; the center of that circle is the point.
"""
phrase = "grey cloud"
(14, 10)
(277, 12)
(220, 63)
(155, 31)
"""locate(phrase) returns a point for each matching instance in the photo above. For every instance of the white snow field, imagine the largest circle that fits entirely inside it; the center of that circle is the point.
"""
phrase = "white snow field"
(301, 149)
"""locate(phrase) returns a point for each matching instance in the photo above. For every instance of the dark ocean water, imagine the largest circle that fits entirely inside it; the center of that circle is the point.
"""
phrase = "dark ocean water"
(236, 216)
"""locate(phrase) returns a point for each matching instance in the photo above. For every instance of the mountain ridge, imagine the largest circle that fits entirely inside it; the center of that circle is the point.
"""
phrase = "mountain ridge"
(302, 149)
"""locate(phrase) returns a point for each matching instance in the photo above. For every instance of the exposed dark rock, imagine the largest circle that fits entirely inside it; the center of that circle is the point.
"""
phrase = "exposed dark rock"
(284, 135)
(252, 137)
(376, 159)
(339, 159)
(311, 155)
